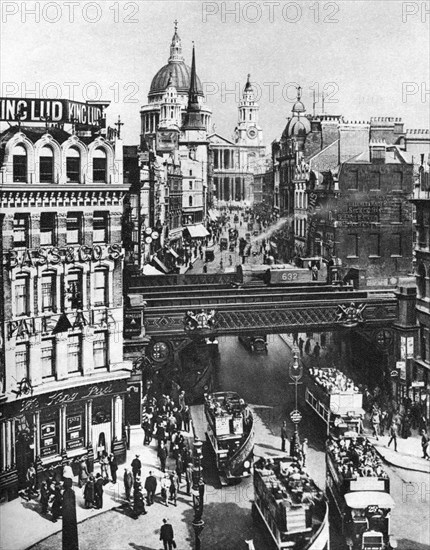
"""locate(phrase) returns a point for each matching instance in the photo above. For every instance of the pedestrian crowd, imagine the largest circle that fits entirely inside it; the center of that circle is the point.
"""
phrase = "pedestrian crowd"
(355, 457)
(333, 380)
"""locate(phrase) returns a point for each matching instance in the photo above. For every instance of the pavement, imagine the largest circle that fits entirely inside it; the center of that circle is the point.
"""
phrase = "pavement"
(26, 525)
(409, 452)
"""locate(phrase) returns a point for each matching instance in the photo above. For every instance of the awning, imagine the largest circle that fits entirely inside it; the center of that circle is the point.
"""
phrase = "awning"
(159, 265)
(172, 253)
(363, 499)
(149, 270)
(198, 231)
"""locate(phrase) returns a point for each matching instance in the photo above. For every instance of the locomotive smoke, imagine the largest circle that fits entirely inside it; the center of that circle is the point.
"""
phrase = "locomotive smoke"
(272, 229)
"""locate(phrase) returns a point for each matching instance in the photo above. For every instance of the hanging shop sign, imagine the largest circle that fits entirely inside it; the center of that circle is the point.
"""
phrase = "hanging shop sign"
(48, 438)
(33, 257)
(51, 110)
(75, 429)
(62, 322)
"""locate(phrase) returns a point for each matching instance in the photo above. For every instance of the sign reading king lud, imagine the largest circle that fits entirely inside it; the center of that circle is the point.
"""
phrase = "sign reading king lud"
(61, 111)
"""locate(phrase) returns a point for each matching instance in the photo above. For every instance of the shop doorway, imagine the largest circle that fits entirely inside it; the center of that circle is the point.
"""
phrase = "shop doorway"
(24, 457)
(101, 439)
(133, 404)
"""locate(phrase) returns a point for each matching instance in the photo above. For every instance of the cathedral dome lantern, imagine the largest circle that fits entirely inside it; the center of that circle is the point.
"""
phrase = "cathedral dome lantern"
(176, 66)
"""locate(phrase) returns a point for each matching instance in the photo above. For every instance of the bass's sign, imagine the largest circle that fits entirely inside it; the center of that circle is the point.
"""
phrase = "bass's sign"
(51, 110)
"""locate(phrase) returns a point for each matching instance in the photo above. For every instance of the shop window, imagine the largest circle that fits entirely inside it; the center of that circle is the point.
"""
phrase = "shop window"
(46, 164)
(99, 166)
(73, 226)
(47, 228)
(74, 288)
(48, 291)
(22, 298)
(21, 361)
(48, 362)
(100, 287)
(100, 350)
(19, 156)
(73, 165)
(374, 243)
(74, 354)
(100, 227)
(20, 230)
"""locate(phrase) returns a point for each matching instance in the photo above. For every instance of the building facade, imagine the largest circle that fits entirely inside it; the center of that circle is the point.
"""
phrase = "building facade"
(63, 373)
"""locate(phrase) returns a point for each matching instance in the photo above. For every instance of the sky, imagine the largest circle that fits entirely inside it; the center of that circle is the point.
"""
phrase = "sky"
(370, 57)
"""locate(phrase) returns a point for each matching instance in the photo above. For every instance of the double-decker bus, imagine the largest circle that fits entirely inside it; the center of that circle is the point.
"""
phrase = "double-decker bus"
(358, 488)
(292, 508)
(230, 431)
(335, 399)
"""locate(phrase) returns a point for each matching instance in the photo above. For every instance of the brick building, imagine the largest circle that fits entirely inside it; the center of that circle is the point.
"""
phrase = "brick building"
(63, 374)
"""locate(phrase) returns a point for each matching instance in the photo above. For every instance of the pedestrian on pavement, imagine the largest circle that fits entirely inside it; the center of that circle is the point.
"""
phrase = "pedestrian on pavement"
(113, 465)
(89, 494)
(375, 420)
(393, 433)
(425, 443)
(167, 536)
(165, 485)
(301, 342)
(317, 350)
(67, 472)
(44, 497)
(98, 492)
(181, 400)
(57, 503)
(83, 473)
(179, 418)
(104, 465)
(189, 477)
(173, 488)
(205, 268)
(150, 488)
(383, 423)
(31, 481)
(186, 418)
(295, 339)
(284, 435)
(179, 469)
(162, 456)
(136, 466)
(128, 483)
(323, 340)
(221, 265)
(138, 502)
(308, 346)
(304, 450)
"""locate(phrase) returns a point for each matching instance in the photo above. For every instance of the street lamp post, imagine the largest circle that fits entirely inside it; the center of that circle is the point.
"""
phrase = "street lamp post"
(198, 492)
(296, 373)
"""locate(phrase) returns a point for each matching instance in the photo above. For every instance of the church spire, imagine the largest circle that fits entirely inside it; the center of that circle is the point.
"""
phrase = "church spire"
(176, 46)
(193, 118)
(248, 86)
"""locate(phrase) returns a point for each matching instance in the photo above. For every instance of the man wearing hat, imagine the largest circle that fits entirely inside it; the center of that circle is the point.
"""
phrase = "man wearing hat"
(136, 466)
(166, 535)
(151, 487)
(128, 483)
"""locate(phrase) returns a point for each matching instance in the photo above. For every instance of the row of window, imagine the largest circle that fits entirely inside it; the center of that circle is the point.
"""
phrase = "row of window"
(372, 244)
(51, 300)
(363, 182)
(47, 172)
(49, 228)
(74, 356)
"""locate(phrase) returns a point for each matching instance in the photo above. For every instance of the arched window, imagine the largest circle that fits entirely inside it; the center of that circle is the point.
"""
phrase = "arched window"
(190, 201)
(46, 163)
(99, 166)
(73, 165)
(100, 287)
(19, 156)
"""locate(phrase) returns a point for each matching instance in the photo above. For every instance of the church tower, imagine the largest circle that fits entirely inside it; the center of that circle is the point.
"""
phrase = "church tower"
(193, 123)
(170, 108)
(247, 131)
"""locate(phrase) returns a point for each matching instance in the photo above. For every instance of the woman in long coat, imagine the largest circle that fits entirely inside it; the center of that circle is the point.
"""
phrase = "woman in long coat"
(57, 503)
(138, 502)
(89, 493)
(98, 491)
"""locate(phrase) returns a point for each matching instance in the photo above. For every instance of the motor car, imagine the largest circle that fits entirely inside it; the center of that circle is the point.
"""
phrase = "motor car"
(254, 343)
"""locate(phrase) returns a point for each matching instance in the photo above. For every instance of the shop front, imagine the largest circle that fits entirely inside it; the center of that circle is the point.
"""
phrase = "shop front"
(64, 425)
